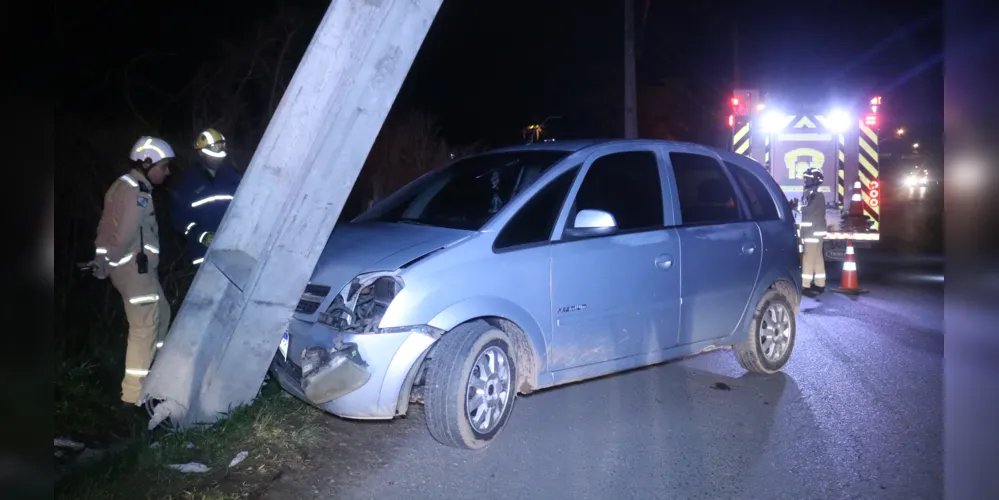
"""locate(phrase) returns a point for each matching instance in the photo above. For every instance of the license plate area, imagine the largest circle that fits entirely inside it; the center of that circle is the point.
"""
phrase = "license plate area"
(283, 346)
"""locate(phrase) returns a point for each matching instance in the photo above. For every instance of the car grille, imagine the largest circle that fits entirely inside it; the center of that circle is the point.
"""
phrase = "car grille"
(312, 298)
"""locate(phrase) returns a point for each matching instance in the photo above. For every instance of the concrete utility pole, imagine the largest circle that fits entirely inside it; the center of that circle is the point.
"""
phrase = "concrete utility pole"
(231, 322)
(630, 111)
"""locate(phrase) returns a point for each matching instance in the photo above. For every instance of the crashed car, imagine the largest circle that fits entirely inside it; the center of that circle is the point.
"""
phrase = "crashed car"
(539, 265)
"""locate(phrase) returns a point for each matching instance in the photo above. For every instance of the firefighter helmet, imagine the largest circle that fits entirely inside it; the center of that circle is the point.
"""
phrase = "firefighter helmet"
(812, 177)
(150, 150)
(211, 142)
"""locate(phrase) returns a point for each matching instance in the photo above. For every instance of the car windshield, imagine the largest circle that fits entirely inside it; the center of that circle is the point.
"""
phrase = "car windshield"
(468, 193)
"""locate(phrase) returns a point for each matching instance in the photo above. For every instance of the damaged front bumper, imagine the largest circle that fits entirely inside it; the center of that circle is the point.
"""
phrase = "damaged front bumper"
(358, 375)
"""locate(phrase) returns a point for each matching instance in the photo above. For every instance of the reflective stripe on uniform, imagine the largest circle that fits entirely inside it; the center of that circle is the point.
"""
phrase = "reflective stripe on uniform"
(120, 261)
(820, 276)
(144, 299)
(218, 197)
(209, 152)
(151, 248)
(129, 180)
(806, 224)
(198, 260)
(849, 266)
(159, 344)
(188, 228)
(201, 238)
(136, 372)
(819, 233)
(811, 240)
(806, 276)
(101, 251)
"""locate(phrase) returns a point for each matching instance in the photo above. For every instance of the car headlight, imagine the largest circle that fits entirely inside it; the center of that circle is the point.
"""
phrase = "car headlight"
(359, 307)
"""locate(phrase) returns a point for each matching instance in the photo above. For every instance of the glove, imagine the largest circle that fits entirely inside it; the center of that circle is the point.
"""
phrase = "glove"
(207, 240)
(97, 267)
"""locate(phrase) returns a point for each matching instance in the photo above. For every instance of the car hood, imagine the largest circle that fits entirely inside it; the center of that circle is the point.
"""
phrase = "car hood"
(358, 248)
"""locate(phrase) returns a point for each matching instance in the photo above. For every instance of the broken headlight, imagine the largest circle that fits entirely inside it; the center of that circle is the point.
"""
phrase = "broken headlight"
(312, 298)
(361, 305)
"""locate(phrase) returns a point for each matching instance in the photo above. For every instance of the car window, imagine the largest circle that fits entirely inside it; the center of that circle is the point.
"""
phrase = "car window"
(468, 193)
(706, 195)
(534, 222)
(627, 185)
(761, 203)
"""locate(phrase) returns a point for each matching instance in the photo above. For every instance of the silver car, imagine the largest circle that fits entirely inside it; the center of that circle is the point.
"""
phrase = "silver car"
(534, 266)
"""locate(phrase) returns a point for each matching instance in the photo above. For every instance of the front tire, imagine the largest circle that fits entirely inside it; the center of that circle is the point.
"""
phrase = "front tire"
(471, 386)
(771, 335)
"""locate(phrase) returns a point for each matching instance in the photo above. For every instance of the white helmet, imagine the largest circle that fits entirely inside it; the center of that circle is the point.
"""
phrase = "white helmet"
(151, 150)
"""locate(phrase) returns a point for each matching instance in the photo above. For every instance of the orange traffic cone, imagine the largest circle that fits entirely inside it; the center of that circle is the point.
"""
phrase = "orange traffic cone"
(848, 279)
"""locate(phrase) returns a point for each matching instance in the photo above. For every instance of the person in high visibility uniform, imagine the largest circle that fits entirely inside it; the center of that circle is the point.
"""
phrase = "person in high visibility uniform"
(128, 249)
(202, 194)
(813, 233)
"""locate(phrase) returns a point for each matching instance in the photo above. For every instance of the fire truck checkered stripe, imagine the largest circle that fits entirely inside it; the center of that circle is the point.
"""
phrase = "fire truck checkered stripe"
(868, 172)
(841, 170)
(766, 153)
(740, 140)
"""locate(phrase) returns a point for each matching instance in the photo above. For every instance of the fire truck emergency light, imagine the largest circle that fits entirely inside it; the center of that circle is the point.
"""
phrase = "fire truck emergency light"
(773, 121)
(838, 121)
(871, 120)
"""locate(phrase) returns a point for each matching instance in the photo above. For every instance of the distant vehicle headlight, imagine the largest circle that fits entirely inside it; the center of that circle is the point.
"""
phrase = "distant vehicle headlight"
(910, 181)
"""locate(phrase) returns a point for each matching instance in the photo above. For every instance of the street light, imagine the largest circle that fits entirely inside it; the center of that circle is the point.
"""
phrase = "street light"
(915, 145)
(900, 132)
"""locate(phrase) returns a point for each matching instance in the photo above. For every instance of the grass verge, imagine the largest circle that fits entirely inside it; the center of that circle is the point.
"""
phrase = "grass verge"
(276, 431)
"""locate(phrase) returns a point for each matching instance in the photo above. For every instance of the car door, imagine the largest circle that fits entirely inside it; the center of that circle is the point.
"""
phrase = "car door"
(720, 246)
(615, 294)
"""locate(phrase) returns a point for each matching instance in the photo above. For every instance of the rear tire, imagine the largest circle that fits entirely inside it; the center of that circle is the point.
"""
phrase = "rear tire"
(471, 386)
(770, 339)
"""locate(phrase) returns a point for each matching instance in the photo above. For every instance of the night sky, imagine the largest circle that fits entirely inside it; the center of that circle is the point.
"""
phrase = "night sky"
(489, 68)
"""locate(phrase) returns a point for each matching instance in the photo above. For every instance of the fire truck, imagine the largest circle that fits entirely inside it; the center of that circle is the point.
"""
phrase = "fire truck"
(789, 137)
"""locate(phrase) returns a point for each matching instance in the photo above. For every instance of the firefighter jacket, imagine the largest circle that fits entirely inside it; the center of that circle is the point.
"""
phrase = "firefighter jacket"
(199, 202)
(813, 216)
(128, 222)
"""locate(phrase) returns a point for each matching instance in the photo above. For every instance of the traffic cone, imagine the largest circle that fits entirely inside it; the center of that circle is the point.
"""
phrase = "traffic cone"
(848, 279)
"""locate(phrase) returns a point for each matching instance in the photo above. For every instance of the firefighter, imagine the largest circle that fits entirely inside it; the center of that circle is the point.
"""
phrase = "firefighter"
(202, 194)
(128, 249)
(813, 233)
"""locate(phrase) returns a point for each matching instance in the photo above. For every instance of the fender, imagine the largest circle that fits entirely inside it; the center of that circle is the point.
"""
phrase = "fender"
(767, 279)
(482, 306)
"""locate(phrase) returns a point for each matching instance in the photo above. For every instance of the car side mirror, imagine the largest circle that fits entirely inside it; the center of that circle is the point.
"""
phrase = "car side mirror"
(592, 223)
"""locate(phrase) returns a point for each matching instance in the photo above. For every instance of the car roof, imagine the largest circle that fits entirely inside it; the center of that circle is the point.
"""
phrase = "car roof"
(574, 145)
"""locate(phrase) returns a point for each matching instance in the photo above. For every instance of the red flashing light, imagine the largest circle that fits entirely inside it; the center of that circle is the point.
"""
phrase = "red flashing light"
(876, 101)
(871, 120)
(874, 193)
(731, 120)
(735, 101)
(874, 203)
(875, 185)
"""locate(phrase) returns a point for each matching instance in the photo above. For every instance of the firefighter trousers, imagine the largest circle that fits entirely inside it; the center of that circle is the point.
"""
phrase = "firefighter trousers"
(148, 314)
(813, 264)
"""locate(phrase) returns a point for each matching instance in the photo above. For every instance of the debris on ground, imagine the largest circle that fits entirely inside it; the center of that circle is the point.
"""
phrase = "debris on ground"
(721, 386)
(238, 458)
(189, 467)
(69, 443)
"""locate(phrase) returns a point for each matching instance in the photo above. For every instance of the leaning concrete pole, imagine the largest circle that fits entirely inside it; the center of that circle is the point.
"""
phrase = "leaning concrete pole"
(230, 324)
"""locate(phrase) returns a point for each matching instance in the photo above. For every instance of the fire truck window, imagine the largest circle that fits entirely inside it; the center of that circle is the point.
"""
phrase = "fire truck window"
(761, 203)
(706, 195)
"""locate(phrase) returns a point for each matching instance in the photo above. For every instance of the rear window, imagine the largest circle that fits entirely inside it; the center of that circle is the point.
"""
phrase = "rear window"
(761, 204)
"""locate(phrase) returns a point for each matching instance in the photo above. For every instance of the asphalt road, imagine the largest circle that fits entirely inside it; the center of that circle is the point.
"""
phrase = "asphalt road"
(857, 413)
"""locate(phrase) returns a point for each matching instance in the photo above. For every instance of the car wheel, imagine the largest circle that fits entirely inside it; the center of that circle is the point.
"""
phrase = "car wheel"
(771, 335)
(471, 386)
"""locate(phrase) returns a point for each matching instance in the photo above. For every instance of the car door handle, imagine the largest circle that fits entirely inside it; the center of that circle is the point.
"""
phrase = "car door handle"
(664, 261)
(748, 248)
